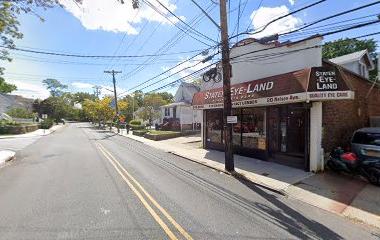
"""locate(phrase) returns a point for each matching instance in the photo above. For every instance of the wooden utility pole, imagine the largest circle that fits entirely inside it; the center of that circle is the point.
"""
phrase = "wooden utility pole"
(113, 72)
(227, 127)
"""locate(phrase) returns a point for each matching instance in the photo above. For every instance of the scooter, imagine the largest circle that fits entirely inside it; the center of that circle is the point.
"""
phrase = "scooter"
(348, 162)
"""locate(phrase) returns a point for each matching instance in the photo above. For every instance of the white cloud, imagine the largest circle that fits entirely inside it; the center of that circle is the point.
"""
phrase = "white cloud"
(292, 2)
(265, 14)
(30, 90)
(113, 16)
(81, 85)
(189, 67)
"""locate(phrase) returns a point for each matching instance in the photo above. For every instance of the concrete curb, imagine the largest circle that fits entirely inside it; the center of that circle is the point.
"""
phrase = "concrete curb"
(292, 191)
(30, 134)
(235, 174)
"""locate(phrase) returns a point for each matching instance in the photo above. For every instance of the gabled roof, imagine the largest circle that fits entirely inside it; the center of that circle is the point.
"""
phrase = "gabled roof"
(355, 56)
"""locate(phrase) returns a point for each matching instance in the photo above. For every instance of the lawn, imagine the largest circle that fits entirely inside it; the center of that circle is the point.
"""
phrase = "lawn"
(157, 132)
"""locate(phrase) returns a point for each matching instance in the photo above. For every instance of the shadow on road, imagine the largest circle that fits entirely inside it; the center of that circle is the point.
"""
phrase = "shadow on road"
(289, 219)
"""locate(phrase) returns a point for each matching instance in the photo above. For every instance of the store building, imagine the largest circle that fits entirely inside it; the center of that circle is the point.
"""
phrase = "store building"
(290, 105)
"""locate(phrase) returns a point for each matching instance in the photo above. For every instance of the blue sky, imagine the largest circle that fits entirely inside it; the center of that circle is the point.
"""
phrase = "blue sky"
(100, 27)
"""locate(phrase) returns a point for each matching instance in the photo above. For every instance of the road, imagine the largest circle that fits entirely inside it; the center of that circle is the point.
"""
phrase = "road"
(84, 183)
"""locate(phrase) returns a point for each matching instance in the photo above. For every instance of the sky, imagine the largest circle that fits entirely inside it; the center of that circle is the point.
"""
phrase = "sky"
(107, 27)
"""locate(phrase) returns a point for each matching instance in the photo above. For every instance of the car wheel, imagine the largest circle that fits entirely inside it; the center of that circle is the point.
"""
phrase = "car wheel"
(374, 176)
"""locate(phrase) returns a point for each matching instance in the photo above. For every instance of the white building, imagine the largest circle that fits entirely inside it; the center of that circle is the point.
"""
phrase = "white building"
(286, 100)
(358, 62)
(181, 114)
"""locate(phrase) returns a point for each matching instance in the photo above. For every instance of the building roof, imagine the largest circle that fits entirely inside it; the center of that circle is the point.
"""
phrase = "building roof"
(355, 56)
(176, 104)
(8, 101)
(185, 92)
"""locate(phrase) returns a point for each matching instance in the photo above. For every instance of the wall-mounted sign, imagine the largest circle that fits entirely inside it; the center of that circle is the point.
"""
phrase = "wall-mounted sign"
(231, 119)
(313, 84)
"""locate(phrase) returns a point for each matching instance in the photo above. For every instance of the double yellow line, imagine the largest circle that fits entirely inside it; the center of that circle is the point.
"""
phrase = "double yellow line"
(140, 192)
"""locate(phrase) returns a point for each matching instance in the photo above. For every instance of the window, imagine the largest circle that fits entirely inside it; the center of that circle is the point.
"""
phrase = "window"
(214, 124)
(366, 138)
(167, 112)
(253, 128)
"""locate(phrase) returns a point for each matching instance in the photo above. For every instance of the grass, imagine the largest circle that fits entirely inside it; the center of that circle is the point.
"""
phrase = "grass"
(157, 132)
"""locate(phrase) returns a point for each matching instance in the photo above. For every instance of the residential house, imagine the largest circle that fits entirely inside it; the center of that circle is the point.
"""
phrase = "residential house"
(180, 115)
(358, 62)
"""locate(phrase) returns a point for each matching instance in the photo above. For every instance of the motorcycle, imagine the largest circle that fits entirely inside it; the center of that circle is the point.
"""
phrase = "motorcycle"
(348, 162)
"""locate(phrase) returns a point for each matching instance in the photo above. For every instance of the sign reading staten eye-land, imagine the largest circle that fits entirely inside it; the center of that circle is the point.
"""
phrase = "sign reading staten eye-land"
(318, 83)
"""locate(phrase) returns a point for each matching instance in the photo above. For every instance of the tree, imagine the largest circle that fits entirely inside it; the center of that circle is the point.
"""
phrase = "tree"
(54, 86)
(167, 97)
(20, 113)
(55, 107)
(9, 24)
(346, 46)
(6, 87)
(151, 107)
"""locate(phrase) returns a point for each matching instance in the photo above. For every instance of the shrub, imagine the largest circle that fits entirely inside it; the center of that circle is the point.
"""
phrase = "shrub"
(140, 132)
(48, 123)
(135, 122)
(20, 113)
(137, 127)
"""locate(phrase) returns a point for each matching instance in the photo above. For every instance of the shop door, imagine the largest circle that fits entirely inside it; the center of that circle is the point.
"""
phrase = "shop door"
(286, 139)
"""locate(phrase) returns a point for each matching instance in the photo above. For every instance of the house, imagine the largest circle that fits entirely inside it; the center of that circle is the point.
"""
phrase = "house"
(358, 62)
(180, 115)
(8, 101)
(291, 105)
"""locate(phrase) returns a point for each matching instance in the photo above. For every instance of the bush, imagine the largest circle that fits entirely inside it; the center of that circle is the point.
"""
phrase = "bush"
(135, 122)
(48, 123)
(140, 132)
(20, 113)
(136, 127)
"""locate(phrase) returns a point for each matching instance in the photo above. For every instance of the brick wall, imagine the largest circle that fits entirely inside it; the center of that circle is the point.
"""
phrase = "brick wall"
(342, 117)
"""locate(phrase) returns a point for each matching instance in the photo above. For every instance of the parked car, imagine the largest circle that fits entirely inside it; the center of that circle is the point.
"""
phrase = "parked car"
(364, 158)
(365, 143)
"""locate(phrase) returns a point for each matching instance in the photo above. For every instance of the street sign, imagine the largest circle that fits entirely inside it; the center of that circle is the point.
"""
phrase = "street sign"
(44, 116)
(231, 119)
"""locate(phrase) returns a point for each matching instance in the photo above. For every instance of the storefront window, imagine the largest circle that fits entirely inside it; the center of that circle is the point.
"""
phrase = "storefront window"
(253, 128)
(214, 125)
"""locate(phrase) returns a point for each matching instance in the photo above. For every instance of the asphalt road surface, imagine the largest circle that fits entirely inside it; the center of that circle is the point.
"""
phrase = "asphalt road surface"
(84, 183)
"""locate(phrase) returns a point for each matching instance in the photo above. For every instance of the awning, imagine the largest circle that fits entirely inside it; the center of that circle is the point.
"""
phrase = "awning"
(312, 84)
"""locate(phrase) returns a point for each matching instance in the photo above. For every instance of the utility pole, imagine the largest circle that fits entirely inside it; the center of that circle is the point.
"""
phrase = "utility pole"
(227, 127)
(97, 90)
(113, 72)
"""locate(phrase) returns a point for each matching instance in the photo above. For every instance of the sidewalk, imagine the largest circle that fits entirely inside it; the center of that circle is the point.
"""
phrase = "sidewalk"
(39, 132)
(343, 195)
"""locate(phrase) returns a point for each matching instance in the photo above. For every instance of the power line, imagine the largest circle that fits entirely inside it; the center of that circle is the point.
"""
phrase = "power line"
(206, 14)
(335, 15)
(291, 51)
(185, 23)
(176, 25)
(169, 44)
(93, 56)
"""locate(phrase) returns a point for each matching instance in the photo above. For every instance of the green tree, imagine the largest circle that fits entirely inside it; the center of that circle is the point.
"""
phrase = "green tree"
(151, 107)
(6, 87)
(346, 46)
(54, 86)
(9, 24)
(167, 97)
(55, 107)
(20, 113)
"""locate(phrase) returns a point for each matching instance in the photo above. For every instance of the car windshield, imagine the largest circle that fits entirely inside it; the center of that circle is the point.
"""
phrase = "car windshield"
(367, 138)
